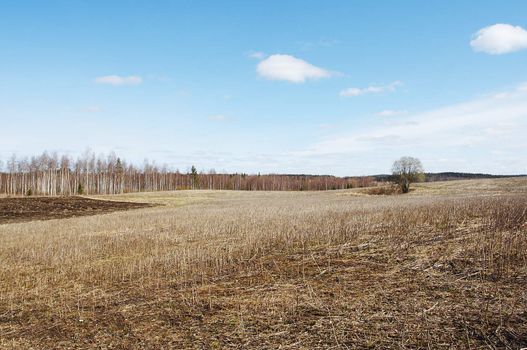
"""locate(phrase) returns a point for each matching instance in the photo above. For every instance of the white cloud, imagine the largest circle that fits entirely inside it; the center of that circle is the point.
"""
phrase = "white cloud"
(372, 89)
(391, 113)
(289, 68)
(351, 92)
(118, 80)
(499, 39)
(462, 136)
(464, 124)
(217, 118)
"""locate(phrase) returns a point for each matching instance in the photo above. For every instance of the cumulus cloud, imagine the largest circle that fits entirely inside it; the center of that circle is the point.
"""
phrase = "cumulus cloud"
(499, 39)
(117, 80)
(289, 68)
(372, 89)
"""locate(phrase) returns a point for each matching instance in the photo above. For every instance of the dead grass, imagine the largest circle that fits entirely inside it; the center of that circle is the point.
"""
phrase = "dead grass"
(385, 190)
(432, 269)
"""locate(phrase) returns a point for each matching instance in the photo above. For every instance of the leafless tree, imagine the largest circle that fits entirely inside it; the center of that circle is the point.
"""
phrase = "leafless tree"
(406, 171)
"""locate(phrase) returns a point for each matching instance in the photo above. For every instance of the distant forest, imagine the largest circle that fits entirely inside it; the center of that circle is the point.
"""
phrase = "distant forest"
(51, 174)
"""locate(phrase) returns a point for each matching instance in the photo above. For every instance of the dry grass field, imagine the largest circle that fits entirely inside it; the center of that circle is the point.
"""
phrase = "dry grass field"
(443, 267)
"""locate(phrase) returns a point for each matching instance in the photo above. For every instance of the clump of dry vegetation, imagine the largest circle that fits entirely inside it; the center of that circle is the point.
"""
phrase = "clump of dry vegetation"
(384, 190)
(274, 270)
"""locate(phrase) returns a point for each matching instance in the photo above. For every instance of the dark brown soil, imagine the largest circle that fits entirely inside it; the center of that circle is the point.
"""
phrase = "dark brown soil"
(46, 208)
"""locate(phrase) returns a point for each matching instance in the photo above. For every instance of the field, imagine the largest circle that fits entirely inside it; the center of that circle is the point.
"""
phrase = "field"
(45, 208)
(443, 267)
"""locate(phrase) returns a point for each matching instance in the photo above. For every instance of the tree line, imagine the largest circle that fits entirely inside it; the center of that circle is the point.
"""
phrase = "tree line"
(54, 175)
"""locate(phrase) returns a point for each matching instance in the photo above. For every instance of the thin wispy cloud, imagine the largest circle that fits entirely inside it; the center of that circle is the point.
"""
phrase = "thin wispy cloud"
(326, 126)
(93, 109)
(466, 124)
(117, 80)
(321, 43)
(492, 128)
(499, 39)
(391, 113)
(258, 55)
(217, 118)
(289, 68)
(159, 78)
(372, 89)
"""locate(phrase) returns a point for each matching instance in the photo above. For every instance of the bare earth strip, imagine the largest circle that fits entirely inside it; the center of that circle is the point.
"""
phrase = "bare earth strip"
(19, 209)
(442, 267)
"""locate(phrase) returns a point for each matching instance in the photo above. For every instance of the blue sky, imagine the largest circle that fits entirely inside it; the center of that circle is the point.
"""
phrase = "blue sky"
(322, 87)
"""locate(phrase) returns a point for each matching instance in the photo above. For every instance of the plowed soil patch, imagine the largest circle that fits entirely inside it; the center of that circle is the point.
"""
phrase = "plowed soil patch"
(46, 208)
